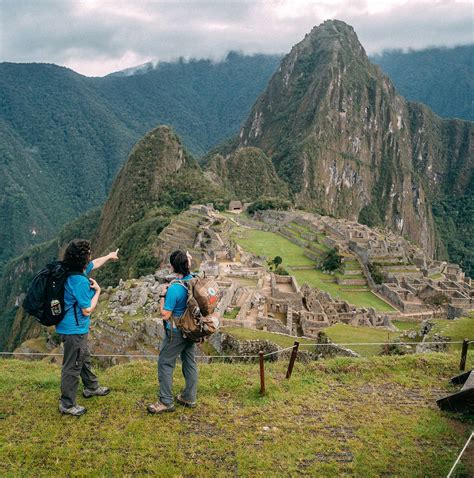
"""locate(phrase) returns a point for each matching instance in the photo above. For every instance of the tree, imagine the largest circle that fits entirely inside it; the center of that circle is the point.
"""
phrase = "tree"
(332, 261)
(275, 263)
(437, 300)
(375, 272)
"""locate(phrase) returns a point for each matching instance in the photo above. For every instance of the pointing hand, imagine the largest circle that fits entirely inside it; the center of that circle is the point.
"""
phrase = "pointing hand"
(114, 255)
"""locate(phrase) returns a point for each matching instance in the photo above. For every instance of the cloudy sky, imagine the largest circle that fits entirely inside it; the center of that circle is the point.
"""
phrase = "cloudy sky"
(96, 37)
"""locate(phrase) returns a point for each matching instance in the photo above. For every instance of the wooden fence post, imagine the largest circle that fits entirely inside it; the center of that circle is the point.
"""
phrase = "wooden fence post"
(462, 364)
(262, 374)
(293, 355)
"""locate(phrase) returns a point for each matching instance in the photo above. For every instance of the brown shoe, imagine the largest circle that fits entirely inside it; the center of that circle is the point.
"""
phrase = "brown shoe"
(185, 403)
(159, 407)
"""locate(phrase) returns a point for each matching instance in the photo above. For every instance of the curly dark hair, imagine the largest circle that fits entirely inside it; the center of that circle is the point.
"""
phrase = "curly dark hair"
(179, 262)
(77, 254)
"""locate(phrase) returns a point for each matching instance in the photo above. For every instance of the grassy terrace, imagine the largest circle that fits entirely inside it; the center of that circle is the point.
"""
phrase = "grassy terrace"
(340, 417)
(457, 329)
(338, 333)
(346, 334)
(233, 314)
(269, 244)
(283, 341)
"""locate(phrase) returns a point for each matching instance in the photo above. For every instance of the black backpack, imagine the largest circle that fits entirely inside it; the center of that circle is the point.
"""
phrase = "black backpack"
(45, 297)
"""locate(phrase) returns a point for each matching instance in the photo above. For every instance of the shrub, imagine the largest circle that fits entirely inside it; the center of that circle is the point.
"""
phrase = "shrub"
(269, 203)
(375, 272)
(332, 261)
(437, 300)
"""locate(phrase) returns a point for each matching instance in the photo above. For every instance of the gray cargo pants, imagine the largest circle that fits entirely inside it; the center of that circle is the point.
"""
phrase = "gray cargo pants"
(171, 348)
(76, 363)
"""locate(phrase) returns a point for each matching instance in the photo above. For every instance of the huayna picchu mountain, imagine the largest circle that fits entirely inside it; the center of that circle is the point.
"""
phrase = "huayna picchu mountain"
(348, 145)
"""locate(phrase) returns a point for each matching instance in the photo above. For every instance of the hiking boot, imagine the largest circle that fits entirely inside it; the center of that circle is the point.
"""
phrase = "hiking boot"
(99, 392)
(159, 407)
(75, 411)
(184, 403)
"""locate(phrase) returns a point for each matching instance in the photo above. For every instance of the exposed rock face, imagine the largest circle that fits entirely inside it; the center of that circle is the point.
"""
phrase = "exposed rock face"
(347, 144)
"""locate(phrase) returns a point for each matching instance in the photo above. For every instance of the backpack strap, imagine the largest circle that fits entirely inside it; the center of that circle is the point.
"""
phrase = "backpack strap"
(181, 283)
(75, 313)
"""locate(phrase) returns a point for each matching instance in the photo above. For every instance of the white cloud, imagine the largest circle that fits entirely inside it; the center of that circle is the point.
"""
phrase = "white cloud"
(96, 37)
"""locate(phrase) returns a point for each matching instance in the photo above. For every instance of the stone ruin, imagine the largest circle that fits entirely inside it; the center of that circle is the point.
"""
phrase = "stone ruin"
(409, 276)
(252, 297)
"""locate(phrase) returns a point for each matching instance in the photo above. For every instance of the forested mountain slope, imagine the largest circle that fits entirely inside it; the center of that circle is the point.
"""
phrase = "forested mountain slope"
(63, 136)
(442, 78)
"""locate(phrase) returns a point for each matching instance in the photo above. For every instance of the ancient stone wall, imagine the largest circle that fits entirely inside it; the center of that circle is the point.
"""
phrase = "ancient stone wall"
(272, 325)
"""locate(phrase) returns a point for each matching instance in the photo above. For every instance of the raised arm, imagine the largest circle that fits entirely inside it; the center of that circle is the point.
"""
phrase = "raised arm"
(100, 261)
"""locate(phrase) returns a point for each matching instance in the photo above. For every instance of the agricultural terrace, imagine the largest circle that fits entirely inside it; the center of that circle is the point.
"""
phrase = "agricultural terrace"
(269, 244)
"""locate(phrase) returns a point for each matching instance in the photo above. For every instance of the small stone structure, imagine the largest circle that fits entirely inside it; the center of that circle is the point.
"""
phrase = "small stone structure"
(235, 206)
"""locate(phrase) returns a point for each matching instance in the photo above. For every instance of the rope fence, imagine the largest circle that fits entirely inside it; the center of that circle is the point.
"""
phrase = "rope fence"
(460, 455)
(261, 356)
(268, 354)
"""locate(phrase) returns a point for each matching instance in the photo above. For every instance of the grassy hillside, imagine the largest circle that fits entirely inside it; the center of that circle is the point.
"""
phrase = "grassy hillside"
(340, 417)
(456, 330)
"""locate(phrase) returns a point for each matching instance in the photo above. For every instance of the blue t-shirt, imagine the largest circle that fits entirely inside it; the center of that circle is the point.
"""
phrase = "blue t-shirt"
(176, 298)
(77, 290)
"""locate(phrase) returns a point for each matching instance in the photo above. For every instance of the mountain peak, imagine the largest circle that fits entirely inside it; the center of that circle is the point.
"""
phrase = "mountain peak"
(141, 180)
(332, 36)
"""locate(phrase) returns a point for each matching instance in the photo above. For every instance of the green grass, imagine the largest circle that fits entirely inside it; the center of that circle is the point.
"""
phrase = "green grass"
(406, 324)
(301, 229)
(233, 314)
(283, 341)
(351, 265)
(321, 248)
(340, 417)
(457, 329)
(270, 244)
(320, 280)
(343, 333)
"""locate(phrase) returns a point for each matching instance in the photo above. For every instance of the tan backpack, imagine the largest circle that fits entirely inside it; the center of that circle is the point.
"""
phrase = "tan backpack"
(197, 321)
